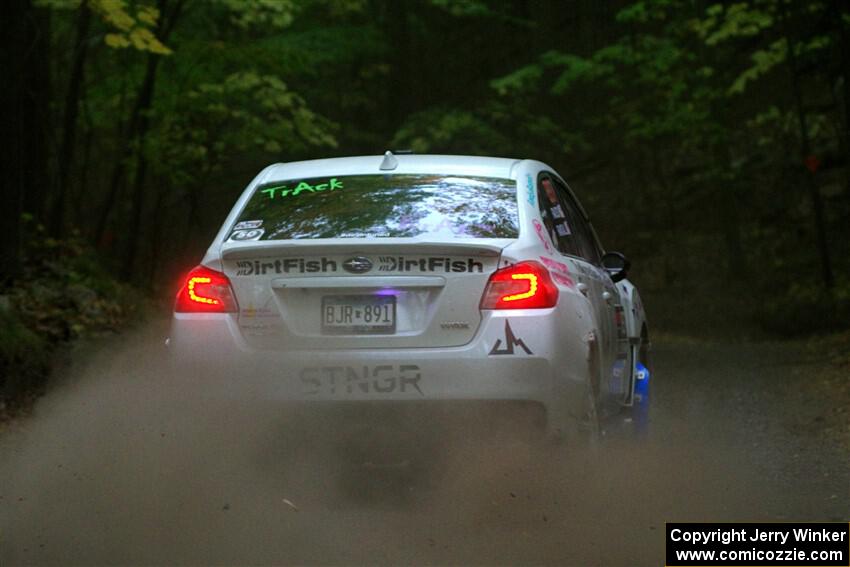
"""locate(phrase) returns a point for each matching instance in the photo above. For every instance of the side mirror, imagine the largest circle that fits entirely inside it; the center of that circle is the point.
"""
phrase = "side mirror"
(616, 265)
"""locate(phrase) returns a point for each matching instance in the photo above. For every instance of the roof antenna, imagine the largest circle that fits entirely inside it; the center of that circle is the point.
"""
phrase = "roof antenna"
(390, 162)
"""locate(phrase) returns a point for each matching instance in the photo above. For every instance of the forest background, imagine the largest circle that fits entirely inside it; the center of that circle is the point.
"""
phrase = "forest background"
(709, 141)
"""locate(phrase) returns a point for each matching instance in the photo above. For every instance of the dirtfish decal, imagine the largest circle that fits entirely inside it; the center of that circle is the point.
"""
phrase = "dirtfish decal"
(433, 264)
(286, 191)
(286, 266)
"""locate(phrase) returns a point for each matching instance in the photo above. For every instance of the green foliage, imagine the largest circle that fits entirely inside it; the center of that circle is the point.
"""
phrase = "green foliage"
(575, 70)
(764, 60)
(130, 30)
(445, 130)
(675, 120)
(463, 7)
(261, 13)
(657, 100)
(246, 112)
(24, 357)
(64, 294)
(665, 96)
(128, 25)
(732, 21)
(260, 111)
(804, 309)
(771, 22)
(644, 12)
(523, 79)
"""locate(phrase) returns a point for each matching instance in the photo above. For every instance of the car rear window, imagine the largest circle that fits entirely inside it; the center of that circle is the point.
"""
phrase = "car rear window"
(358, 206)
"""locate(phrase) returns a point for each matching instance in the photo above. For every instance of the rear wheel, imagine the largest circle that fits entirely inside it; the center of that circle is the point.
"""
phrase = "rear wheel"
(589, 430)
(593, 393)
(576, 422)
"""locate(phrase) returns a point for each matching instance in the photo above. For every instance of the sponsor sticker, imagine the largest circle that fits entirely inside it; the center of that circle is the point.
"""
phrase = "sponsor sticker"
(509, 343)
(557, 212)
(293, 190)
(365, 379)
(242, 235)
(248, 224)
(428, 264)
(252, 312)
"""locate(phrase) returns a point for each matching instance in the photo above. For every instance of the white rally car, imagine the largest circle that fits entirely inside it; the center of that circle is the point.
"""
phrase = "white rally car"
(403, 278)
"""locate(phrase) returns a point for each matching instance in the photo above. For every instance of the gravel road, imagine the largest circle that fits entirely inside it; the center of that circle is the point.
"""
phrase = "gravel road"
(123, 463)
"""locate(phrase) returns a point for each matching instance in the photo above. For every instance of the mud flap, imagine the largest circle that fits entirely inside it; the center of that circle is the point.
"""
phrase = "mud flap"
(640, 406)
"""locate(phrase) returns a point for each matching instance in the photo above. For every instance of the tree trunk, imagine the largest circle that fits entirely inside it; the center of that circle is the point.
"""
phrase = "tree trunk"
(23, 121)
(156, 234)
(839, 12)
(80, 194)
(730, 218)
(805, 152)
(135, 226)
(37, 115)
(138, 191)
(15, 37)
(399, 91)
(69, 127)
(135, 135)
(136, 129)
(671, 275)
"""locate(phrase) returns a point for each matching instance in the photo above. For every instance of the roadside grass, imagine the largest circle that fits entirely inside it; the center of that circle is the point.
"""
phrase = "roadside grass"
(834, 381)
(695, 317)
(730, 311)
(63, 295)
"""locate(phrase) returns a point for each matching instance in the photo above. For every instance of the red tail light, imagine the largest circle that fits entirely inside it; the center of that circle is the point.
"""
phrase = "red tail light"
(526, 285)
(205, 291)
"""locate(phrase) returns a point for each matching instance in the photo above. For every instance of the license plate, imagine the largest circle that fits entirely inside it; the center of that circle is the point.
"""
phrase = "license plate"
(358, 314)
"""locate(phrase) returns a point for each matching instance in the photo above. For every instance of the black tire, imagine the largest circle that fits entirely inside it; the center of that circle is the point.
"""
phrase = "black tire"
(590, 425)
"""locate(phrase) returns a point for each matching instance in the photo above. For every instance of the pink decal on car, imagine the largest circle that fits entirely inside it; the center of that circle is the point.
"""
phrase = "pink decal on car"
(541, 234)
(560, 271)
(561, 278)
(557, 266)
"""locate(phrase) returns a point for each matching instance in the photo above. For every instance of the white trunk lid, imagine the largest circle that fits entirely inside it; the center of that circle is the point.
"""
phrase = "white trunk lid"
(361, 293)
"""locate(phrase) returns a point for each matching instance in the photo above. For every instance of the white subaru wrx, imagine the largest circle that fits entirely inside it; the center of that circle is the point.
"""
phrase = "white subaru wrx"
(425, 278)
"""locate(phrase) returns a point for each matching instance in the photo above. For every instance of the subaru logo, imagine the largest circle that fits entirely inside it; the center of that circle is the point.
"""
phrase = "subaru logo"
(357, 265)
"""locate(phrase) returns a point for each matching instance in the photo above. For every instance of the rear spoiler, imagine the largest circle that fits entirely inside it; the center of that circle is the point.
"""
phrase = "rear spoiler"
(481, 247)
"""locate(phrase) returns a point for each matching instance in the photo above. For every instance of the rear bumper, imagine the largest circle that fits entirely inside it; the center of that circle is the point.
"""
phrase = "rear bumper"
(209, 351)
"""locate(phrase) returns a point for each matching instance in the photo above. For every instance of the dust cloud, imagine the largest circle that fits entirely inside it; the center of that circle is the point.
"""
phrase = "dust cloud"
(128, 462)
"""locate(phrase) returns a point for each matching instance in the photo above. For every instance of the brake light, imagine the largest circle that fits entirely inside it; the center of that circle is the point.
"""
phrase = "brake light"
(205, 291)
(526, 285)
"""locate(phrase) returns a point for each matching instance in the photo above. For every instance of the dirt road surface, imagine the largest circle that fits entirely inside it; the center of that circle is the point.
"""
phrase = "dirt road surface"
(124, 463)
